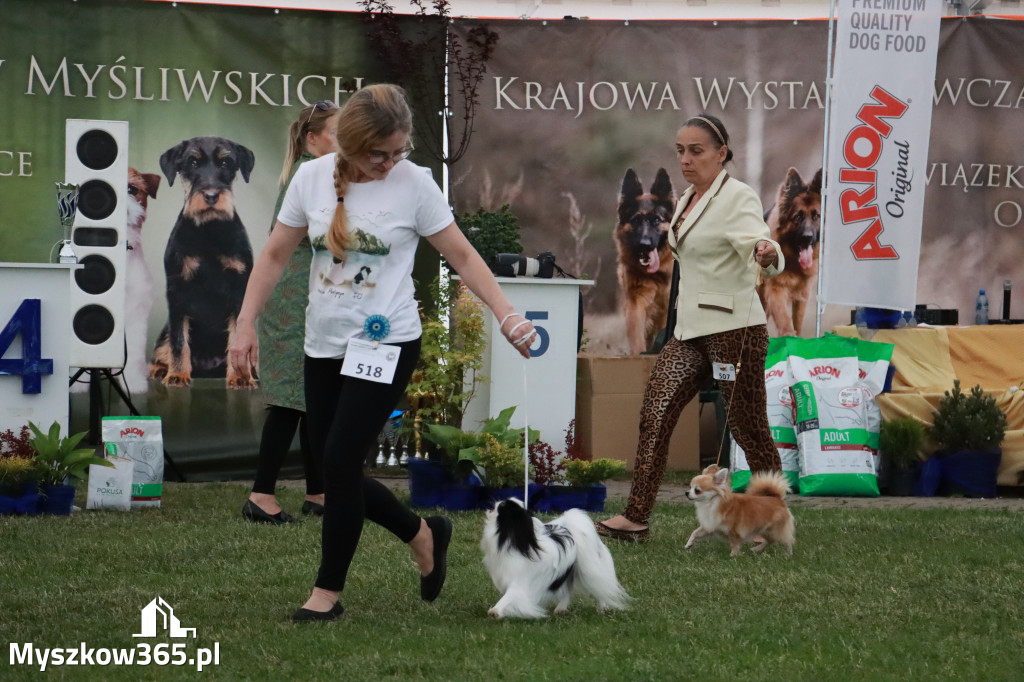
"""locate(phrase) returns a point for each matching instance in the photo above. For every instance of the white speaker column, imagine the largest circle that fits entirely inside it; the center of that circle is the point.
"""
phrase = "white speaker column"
(96, 159)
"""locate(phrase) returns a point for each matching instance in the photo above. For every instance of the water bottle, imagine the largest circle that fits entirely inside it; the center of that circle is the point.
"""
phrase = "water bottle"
(981, 309)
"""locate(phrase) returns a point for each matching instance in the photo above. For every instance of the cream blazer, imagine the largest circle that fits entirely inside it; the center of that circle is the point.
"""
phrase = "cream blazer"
(714, 246)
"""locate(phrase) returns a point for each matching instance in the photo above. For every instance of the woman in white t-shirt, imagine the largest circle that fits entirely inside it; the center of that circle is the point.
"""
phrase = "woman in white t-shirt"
(364, 210)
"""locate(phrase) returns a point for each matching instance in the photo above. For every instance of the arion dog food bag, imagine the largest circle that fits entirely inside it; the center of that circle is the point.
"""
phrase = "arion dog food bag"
(874, 359)
(831, 418)
(780, 419)
(141, 440)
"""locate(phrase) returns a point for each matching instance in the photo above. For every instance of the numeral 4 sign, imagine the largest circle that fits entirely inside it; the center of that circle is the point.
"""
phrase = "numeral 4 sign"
(27, 322)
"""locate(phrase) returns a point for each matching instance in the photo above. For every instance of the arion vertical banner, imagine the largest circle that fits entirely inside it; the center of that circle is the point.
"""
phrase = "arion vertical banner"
(881, 110)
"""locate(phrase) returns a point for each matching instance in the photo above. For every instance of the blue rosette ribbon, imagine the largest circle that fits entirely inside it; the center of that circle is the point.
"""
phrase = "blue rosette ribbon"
(376, 328)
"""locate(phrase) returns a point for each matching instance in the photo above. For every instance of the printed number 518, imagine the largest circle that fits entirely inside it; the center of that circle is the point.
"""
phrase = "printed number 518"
(369, 370)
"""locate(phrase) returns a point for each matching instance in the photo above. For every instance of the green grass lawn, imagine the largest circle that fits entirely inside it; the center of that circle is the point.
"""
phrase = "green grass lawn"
(868, 594)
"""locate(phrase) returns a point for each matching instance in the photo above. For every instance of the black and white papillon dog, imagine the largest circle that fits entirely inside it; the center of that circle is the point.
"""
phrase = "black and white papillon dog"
(535, 564)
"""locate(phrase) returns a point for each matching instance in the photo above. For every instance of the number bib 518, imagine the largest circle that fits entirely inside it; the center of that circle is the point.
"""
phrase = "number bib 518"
(373, 362)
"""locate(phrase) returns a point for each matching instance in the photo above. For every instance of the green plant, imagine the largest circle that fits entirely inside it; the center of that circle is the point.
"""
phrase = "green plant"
(501, 464)
(491, 232)
(461, 451)
(15, 472)
(451, 355)
(900, 441)
(58, 459)
(968, 421)
(585, 473)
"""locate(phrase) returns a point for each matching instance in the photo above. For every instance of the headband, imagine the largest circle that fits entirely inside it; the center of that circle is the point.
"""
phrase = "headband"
(713, 127)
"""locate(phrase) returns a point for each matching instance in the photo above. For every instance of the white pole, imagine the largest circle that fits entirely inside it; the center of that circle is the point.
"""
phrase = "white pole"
(824, 160)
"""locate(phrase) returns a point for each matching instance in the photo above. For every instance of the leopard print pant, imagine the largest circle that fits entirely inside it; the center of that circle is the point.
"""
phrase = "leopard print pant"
(680, 370)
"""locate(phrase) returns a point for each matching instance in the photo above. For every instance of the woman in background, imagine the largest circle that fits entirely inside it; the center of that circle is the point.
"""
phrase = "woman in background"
(282, 328)
(724, 249)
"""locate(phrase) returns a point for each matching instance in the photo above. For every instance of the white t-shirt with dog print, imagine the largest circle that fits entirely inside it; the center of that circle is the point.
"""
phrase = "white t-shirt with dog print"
(386, 219)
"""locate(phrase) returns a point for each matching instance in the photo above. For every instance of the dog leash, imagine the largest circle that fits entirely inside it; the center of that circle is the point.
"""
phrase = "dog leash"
(526, 446)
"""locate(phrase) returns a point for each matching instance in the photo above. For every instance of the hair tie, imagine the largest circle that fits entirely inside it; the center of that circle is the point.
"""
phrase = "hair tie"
(341, 200)
(718, 132)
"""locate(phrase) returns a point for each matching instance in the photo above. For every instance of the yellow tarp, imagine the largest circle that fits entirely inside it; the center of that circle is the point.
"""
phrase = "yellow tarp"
(928, 359)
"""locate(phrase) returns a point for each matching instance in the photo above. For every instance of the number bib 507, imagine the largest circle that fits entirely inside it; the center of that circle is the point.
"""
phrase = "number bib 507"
(373, 362)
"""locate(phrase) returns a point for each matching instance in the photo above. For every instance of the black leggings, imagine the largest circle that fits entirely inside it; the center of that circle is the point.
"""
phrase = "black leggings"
(276, 441)
(344, 416)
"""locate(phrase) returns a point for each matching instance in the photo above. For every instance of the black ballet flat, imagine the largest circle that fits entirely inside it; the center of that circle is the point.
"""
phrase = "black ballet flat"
(310, 508)
(252, 512)
(430, 585)
(310, 616)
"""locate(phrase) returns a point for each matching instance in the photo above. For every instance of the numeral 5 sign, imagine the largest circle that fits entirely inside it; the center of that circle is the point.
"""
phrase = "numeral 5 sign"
(27, 322)
(542, 333)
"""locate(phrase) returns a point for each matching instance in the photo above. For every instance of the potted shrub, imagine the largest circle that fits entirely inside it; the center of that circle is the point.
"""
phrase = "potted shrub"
(59, 461)
(588, 475)
(18, 474)
(459, 453)
(546, 469)
(501, 468)
(900, 441)
(968, 429)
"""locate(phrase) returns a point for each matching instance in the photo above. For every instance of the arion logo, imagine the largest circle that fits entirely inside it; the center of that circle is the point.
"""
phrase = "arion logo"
(158, 613)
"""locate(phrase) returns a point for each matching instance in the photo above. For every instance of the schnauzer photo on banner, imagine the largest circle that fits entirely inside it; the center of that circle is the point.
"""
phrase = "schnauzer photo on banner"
(879, 129)
(577, 119)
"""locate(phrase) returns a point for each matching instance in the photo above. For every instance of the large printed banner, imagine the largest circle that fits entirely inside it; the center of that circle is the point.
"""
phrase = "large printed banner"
(569, 109)
(880, 120)
(173, 73)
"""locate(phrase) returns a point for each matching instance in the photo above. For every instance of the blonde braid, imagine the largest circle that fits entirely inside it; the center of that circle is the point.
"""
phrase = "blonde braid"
(337, 235)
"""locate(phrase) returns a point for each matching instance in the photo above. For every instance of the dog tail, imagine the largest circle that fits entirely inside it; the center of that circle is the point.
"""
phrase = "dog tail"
(768, 484)
(595, 569)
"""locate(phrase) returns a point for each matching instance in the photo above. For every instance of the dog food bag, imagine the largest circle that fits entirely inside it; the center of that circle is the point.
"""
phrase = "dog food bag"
(780, 419)
(111, 488)
(874, 359)
(830, 418)
(141, 440)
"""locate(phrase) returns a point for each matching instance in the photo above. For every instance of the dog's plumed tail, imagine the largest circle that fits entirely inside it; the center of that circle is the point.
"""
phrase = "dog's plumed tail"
(594, 572)
(768, 484)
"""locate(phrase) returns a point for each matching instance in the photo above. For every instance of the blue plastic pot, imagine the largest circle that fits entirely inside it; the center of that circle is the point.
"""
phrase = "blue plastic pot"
(970, 473)
(596, 495)
(460, 497)
(565, 497)
(57, 499)
(427, 482)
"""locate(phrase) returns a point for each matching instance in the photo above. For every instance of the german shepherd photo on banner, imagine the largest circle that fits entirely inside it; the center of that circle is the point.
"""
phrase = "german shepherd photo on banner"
(795, 222)
(644, 256)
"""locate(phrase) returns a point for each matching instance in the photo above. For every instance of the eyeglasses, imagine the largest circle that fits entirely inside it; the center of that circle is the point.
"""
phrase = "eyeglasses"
(322, 105)
(380, 157)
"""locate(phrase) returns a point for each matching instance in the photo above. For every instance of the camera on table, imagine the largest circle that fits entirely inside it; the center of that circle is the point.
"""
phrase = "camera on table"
(511, 265)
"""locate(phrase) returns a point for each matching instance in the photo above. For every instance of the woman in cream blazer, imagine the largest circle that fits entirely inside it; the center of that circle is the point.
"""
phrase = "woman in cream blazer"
(724, 249)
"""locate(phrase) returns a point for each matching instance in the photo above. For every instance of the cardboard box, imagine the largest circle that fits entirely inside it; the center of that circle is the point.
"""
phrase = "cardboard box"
(609, 394)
